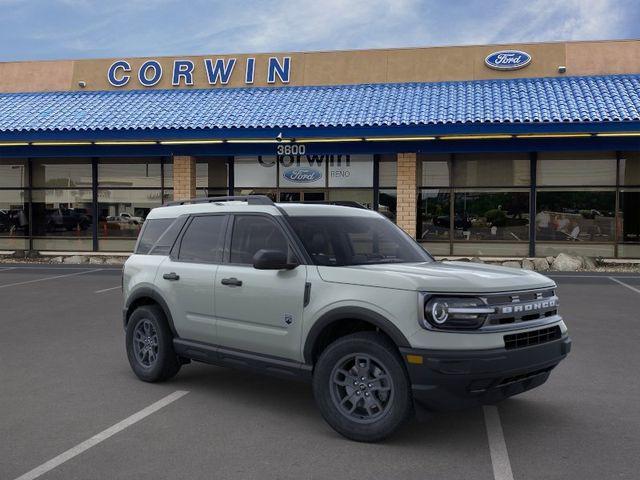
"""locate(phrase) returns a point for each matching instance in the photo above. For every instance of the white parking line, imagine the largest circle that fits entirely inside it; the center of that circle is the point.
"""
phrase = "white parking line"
(586, 276)
(107, 289)
(497, 445)
(102, 436)
(7, 268)
(625, 285)
(44, 279)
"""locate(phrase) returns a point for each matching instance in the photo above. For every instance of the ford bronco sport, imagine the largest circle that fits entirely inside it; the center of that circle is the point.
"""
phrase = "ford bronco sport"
(339, 296)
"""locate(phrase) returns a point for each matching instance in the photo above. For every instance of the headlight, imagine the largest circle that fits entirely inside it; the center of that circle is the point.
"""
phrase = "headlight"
(455, 313)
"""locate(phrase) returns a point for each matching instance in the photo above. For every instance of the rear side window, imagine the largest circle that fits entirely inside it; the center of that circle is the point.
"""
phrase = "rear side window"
(168, 238)
(150, 234)
(203, 240)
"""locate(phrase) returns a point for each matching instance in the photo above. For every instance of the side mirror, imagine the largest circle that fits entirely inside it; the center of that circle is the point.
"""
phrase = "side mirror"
(272, 260)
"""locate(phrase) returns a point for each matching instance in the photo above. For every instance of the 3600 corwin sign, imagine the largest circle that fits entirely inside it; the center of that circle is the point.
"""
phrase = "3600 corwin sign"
(507, 60)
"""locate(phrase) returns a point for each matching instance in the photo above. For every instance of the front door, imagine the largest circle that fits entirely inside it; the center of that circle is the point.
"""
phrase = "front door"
(259, 310)
(187, 278)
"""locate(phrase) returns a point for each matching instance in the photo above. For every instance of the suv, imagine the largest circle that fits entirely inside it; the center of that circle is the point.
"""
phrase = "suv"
(338, 296)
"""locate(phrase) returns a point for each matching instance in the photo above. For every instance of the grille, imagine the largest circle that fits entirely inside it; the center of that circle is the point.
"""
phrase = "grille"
(522, 307)
(534, 337)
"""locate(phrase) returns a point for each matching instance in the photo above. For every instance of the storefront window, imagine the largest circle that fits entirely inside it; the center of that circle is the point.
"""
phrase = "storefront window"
(434, 170)
(14, 220)
(576, 169)
(130, 172)
(496, 215)
(630, 168)
(575, 216)
(491, 170)
(212, 176)
(13, 173)
(62, 173)
(387, 171)
(121, 214)
(362, 197)
(630, 216)
(434, 217)
(62, 219)
(350, 171)
(255, 172)
(388, 203)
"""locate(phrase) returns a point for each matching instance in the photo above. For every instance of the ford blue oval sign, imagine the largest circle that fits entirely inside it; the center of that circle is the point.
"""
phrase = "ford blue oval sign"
(302, 175)
(507, 60)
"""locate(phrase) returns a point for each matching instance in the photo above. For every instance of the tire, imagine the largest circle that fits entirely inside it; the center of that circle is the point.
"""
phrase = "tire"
(159, 362)
(388, 402)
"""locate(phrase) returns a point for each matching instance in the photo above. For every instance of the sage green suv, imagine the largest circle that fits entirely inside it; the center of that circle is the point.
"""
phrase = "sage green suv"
(338, 296)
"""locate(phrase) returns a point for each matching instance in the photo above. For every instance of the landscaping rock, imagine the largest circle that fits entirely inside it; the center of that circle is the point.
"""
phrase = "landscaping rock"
(566, 263)
(477, 260)
(96, 260)
(527, 264)
(540, 264)
(589, 263)
(114, 260)
(56, 260)
(550, 260)
(511, 264)
(76, 259)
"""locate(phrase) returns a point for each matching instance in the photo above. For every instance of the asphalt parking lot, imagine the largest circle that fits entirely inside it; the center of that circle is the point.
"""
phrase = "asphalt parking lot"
(64, 378)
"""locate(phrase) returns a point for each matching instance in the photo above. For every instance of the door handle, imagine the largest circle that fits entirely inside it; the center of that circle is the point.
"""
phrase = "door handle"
(171, 276)
(231, 282)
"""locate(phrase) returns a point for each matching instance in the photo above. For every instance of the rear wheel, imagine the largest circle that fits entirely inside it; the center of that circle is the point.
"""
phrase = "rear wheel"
(362, 388)
(150, 345)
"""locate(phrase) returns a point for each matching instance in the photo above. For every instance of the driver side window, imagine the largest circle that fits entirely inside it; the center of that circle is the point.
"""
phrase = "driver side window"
(252, 233)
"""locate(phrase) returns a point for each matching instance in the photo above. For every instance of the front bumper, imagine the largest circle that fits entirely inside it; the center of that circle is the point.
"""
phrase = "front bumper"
(450, 380)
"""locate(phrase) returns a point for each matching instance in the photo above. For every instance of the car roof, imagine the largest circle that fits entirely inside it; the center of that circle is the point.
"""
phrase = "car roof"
(292, 209)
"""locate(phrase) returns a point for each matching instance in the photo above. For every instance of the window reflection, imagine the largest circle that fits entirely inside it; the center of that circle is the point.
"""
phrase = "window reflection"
(14, 216)
(122, 212)
(630, 216)
(434, 216)
(582, 216)
(482, 216)
(387, 203)
(62, 213)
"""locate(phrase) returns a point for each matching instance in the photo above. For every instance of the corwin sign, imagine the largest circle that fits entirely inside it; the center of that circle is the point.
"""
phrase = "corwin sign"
(507, 60)
(218, 71)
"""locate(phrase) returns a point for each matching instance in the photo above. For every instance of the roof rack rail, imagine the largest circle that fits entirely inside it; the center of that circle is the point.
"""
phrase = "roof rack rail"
(341, 203)
(250, 199)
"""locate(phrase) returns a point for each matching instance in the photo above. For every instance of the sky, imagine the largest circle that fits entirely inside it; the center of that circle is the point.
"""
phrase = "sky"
(74, 29)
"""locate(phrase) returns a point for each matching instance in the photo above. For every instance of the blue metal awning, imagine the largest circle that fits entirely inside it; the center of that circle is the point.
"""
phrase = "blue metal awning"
(593, 103)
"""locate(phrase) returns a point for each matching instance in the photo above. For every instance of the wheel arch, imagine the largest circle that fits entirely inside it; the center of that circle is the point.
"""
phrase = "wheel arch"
(148, 296)
(331, 319)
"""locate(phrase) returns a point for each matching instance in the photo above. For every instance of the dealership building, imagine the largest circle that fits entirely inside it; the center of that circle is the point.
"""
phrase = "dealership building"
(494, 150)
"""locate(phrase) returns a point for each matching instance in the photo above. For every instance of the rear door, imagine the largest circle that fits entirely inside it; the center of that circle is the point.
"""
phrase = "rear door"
(186, 278)
(259, 311)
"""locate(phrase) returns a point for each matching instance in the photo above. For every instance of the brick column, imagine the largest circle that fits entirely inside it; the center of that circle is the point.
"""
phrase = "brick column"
(407, 192)
(184, 178)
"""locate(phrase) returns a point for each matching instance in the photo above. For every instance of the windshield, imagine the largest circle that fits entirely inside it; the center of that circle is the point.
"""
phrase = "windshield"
(344, 241)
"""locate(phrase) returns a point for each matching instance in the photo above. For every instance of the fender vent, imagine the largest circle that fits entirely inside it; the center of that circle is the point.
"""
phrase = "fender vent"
(534, 337)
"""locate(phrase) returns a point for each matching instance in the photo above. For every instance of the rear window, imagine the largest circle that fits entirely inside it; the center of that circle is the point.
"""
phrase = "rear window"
(151, 233)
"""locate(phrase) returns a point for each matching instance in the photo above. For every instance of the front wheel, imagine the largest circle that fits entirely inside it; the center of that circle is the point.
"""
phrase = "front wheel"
(361, 387)
(150, 345)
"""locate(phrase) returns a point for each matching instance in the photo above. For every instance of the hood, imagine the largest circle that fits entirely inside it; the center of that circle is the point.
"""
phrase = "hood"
(441, 277)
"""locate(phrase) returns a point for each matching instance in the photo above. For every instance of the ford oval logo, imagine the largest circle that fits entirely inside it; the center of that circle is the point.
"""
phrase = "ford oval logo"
(302, 175)
(507, 60)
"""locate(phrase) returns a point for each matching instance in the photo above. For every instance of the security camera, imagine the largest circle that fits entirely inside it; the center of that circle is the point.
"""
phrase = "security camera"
(279, 137)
